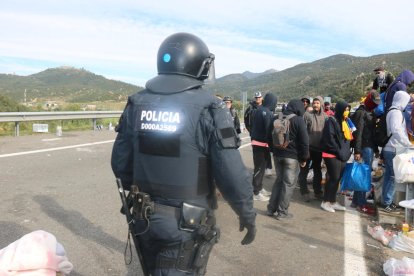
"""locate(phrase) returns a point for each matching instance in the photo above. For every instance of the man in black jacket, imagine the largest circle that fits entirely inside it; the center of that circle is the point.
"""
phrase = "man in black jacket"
(382, 79)
(287, 161)
(364, 145)
(260, 133)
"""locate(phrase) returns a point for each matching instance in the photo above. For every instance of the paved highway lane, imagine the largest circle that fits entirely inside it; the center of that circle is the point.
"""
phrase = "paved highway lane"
(64, 185)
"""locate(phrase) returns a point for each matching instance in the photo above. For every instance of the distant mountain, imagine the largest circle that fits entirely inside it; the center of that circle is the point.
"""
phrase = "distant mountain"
(249, 75)
(339, 76)
(65, 83)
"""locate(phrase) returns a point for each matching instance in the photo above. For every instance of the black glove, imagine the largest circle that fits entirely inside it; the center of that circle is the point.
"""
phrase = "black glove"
(250, 235)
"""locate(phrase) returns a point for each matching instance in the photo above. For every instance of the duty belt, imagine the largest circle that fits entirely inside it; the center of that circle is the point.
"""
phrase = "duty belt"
(167, 210)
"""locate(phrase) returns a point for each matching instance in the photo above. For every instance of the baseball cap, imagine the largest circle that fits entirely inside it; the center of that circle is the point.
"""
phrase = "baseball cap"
(258, 94)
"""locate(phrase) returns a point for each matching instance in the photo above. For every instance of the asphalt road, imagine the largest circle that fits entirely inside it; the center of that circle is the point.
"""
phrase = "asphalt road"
(64, 185)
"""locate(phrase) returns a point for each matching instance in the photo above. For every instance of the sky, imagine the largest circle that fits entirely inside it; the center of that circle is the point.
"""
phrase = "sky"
(119, 39)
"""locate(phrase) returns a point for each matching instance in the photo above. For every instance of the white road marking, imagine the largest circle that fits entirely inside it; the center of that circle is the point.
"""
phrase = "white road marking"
(354, 261)
(51, 139)
(54, 149)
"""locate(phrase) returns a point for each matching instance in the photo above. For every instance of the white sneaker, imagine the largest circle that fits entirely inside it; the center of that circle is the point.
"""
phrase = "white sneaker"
(327, 207)
(268, 172)
(265, 192)
(260, 197)
(338, 207)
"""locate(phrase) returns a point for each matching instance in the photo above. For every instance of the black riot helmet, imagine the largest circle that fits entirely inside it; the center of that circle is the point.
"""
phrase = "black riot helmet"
(185, 54)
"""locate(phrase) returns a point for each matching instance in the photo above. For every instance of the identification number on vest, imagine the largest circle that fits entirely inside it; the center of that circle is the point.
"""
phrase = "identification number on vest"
(157, 120)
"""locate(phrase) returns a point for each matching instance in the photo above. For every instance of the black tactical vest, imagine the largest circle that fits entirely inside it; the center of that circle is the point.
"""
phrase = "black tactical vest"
(167, 160)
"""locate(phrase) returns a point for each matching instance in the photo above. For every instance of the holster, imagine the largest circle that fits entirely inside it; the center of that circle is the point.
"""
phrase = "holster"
(192, 217)
(193, 254)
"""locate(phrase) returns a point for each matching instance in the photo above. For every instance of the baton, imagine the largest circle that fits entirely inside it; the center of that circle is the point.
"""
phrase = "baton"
(131, 223)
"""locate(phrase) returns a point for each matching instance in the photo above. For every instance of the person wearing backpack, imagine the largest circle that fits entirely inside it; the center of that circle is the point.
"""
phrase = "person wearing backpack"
(364, 145)
(315, 121)
(289, 153)
(260, 133)
(397, 132)
(335, 152)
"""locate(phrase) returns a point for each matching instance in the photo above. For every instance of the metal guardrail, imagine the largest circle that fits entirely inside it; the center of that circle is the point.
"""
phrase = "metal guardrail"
(18, 117)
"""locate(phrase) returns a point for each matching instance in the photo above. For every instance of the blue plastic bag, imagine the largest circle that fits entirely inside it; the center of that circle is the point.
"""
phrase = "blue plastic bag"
(356, 177)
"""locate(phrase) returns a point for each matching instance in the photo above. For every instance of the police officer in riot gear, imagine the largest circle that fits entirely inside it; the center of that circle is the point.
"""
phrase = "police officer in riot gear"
(173, 139)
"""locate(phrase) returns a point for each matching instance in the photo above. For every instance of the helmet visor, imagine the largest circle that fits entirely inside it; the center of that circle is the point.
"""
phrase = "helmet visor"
(207, 70)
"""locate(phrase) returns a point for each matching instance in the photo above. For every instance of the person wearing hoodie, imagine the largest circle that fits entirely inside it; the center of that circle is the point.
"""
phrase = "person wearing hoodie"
(315, 121)
(398, 140)
(287, 161)
(364, 145)
(335, 152)
(261, 128)
(404, 80)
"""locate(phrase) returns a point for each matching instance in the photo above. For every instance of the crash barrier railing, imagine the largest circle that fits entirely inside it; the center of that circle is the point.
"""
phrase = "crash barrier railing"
(18, 117)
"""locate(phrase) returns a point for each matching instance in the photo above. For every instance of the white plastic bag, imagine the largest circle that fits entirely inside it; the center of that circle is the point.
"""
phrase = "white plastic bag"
(401, 242)
(403, 165)
(378, 233)
(394, 267)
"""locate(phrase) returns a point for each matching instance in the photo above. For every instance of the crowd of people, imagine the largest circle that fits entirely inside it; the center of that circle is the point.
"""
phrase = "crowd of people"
(326, 135)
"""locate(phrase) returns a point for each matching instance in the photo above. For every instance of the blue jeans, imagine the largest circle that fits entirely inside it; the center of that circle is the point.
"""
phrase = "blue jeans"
(359, 198)
(287, 172)
(388, 187)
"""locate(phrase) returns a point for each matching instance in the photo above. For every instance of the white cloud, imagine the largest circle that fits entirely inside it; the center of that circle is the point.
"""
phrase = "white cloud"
(121, 38)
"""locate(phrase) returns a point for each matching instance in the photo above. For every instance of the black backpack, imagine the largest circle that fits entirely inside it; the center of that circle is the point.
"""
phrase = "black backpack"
(381, 137)
(281, 129)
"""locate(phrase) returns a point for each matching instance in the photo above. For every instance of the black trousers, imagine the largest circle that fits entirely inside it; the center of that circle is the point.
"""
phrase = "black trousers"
(259, 161)
(316, 159)
(268, 160)
(335, 169)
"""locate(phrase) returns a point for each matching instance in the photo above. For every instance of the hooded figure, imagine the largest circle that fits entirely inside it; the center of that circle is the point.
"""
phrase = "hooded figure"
(406, 78)
(336, 151)
(315, 122)
(261, 125)
(399, 139)
(396, 127)
(260, 132)
(287, 160)
(298, 147)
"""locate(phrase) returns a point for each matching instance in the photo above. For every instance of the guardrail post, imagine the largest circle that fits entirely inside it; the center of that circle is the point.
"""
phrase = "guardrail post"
(16, 128)
(94, 123)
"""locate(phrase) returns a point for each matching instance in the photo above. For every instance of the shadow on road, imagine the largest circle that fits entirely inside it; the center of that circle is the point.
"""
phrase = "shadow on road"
(78, 224)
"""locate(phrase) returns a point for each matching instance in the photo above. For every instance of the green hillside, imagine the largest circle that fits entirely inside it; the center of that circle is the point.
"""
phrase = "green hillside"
(66, 84)
(338, 76)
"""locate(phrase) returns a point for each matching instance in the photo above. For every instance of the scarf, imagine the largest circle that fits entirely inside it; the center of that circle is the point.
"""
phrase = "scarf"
(348, 127)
